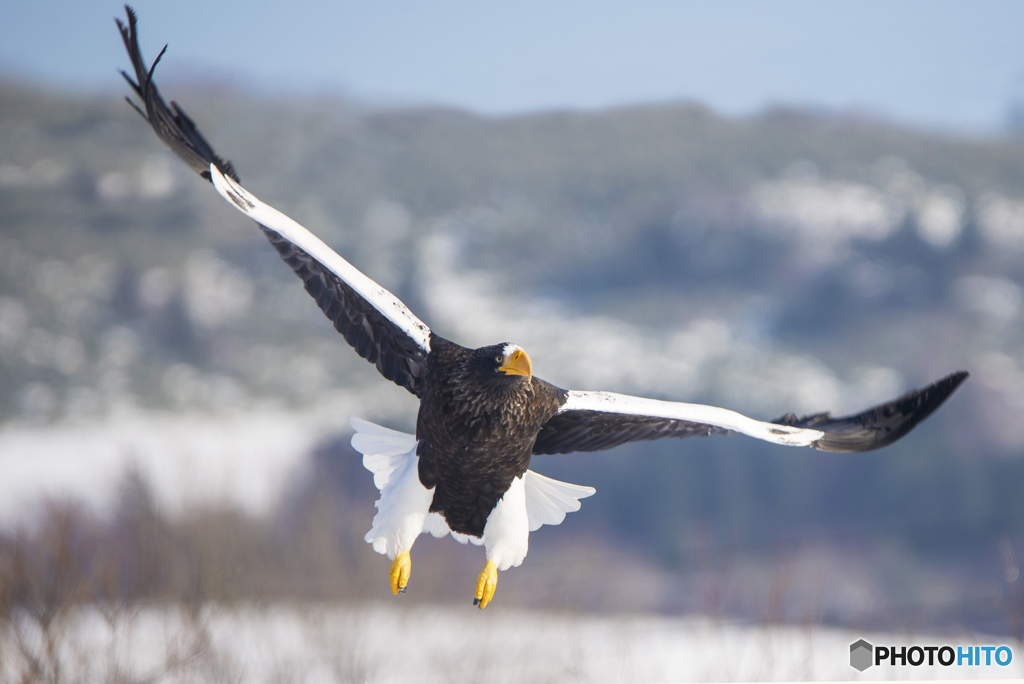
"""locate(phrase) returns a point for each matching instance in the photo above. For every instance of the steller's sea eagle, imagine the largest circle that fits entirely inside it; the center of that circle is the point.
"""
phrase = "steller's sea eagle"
(482, 413)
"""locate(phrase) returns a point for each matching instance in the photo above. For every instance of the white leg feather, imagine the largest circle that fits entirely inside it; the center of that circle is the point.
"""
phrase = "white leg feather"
(404, 504)
(507, 532)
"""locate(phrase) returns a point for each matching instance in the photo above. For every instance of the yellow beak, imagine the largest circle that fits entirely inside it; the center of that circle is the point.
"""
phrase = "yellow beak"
(518, 364)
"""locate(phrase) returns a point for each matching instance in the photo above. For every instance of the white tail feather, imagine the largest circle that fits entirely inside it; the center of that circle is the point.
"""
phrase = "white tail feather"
(436, 525)
(548, 500)
(466, 539)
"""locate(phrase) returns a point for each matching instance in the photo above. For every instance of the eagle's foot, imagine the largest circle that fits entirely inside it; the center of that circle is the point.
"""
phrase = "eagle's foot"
(486, 583)
(401, 567)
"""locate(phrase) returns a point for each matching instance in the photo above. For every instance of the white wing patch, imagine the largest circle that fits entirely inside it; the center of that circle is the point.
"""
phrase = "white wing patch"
(609, 402)
(383, 301)
(547, 500)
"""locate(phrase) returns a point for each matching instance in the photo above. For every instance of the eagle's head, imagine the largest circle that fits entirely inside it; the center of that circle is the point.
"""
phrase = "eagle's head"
(503, 361)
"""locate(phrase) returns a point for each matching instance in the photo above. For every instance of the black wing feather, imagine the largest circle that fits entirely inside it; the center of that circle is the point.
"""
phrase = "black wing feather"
(881, 425)
(580, 430)
(374, 337)
(596, 431)
(175, 128)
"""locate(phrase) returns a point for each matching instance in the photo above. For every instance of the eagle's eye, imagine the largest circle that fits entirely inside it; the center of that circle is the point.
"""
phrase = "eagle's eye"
(499, 359)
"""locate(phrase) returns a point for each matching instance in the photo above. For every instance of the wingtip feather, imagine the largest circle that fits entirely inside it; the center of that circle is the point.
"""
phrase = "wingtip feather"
(886, 423)
(175, 129)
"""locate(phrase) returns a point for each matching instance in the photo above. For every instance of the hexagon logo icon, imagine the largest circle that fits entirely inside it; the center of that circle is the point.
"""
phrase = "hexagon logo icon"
(860, 655)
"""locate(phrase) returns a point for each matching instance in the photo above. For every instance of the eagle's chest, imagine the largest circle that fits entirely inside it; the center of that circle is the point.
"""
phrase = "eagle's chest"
(471, 452)
(478, 432)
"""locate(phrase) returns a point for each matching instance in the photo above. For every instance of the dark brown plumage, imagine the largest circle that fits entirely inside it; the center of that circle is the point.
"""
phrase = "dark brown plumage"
(477, 427)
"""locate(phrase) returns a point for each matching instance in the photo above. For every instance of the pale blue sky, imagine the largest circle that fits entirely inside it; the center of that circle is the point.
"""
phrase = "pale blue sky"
(952, 65)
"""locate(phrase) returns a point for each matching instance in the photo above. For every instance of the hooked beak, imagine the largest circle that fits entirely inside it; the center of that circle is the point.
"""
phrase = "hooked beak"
(518, 364)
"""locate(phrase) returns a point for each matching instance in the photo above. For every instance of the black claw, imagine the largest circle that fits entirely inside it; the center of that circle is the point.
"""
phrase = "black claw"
(402, 590)
(476, 602)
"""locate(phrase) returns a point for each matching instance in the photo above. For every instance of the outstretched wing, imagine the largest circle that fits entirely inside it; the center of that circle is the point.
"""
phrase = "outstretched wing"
(593, 421)
(377, 325)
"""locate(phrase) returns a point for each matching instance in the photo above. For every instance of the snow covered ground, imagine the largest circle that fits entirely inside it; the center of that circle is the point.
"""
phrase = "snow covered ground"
(388, 643)
(242, 459)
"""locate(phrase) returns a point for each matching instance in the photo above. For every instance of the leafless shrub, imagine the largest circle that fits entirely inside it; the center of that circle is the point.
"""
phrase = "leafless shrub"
(42, 579)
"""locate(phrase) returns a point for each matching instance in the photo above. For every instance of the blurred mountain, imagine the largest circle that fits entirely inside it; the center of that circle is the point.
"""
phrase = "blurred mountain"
(785, 262)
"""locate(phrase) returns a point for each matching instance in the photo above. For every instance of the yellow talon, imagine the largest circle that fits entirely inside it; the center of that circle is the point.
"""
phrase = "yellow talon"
(486, 583)
(401, 567)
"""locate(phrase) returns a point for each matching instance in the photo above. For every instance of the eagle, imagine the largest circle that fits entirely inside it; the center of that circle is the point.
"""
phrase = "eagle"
(483, 413)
